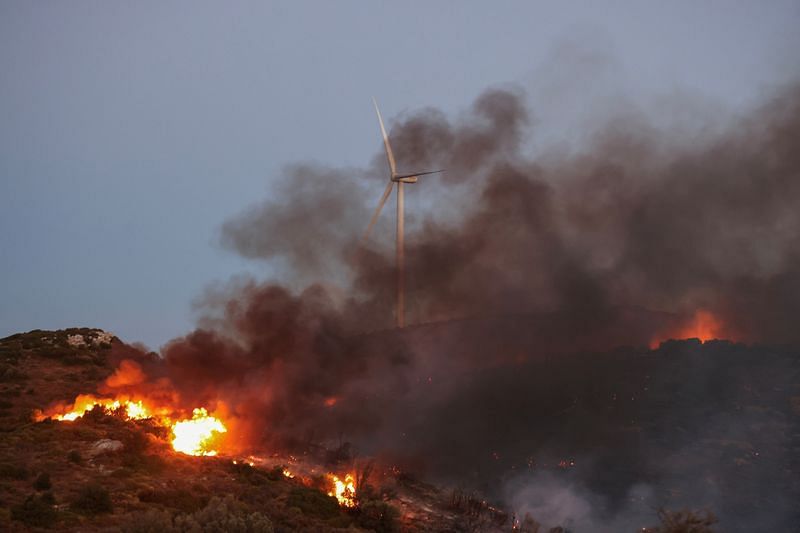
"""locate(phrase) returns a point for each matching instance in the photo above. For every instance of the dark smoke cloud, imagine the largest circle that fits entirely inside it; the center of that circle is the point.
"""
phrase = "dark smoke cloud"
(514, 261)
(627, 221)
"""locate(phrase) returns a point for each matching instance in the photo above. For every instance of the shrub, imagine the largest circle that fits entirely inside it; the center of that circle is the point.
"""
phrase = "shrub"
(180, 499)
(224, 515)
(135, 444)
(254, 476)
(42, 482)
(13, 471)
(35, 511)
(275, 473)
(93, 499)
(151, 521)
(11, 374)
(313, 503)
(74, 456)
(378, 516)
(684, 521)
(221, 515)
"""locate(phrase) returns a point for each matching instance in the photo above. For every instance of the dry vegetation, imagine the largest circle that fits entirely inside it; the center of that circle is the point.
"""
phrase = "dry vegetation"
(51, 477)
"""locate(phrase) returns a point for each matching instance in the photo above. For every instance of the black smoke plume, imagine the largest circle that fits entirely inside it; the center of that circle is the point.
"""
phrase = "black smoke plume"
(518, 259)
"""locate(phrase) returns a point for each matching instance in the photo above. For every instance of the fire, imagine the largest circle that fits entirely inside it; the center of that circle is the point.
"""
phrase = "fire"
(331, 401)
(343, 491)
(134, 410)
(194, 436)
(703, 325)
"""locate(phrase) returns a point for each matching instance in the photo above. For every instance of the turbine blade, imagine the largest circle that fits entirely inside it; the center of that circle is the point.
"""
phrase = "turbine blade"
(377, 213)
(386, 145)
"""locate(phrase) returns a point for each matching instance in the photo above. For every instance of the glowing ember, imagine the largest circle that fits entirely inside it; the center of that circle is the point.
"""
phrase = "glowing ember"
(343, 491)
(331, 401)
(195, 436)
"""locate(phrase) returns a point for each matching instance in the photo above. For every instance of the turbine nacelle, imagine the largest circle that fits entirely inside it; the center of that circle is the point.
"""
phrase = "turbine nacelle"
(412, 178)
(394, 178)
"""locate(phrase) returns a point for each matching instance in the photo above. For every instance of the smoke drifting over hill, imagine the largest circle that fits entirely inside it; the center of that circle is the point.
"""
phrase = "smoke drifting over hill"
(629, 221)
(617, 243)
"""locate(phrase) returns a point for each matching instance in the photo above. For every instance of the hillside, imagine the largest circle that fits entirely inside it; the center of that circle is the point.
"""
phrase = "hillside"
(710, 425)
(58, 474)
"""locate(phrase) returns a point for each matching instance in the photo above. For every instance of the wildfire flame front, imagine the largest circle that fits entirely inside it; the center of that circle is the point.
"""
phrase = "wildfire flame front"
(194, 436)
(343, 491)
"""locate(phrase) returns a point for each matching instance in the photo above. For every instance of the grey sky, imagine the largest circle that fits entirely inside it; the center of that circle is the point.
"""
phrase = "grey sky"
(129, 131)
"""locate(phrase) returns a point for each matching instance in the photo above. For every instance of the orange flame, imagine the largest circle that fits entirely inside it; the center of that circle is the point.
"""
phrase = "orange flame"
(330, 401)
(343, 491)
(133, 409)
(703, 325)
(193, 436)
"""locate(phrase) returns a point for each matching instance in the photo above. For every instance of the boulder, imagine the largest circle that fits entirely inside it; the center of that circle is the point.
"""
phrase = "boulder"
(105, 446)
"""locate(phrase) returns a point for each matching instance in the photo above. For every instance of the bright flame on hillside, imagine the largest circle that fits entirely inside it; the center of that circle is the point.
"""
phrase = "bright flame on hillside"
(703, 325)
(134, 410)
(343, 491)
(194, 436)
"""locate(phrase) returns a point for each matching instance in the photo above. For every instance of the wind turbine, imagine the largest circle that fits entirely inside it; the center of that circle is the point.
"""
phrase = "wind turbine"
(399, 179)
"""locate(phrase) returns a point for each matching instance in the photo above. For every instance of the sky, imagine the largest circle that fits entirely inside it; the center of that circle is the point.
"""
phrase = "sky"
(130, 131)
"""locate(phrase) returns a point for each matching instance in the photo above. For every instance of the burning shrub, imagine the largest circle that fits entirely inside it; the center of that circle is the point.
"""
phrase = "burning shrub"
(35, 511)
(93, 499)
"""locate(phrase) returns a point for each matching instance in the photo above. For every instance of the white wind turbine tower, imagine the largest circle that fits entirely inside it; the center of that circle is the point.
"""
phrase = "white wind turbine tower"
(400, 180)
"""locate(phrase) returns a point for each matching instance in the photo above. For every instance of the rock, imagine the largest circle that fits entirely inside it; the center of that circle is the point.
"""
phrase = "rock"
(105, 446)
(76, 340)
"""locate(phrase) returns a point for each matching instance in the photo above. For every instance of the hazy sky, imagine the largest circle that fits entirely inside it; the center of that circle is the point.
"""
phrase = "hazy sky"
(129, 131)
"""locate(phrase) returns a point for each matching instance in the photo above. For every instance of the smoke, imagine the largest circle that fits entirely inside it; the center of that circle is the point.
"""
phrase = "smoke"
(635, 219)
(555, 501)
(517, 260)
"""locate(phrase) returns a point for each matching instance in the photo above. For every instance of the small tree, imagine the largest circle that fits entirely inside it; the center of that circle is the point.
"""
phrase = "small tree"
(35, 511)
(93, 499)
(224, 514)
(74, 456)
(42, 482)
